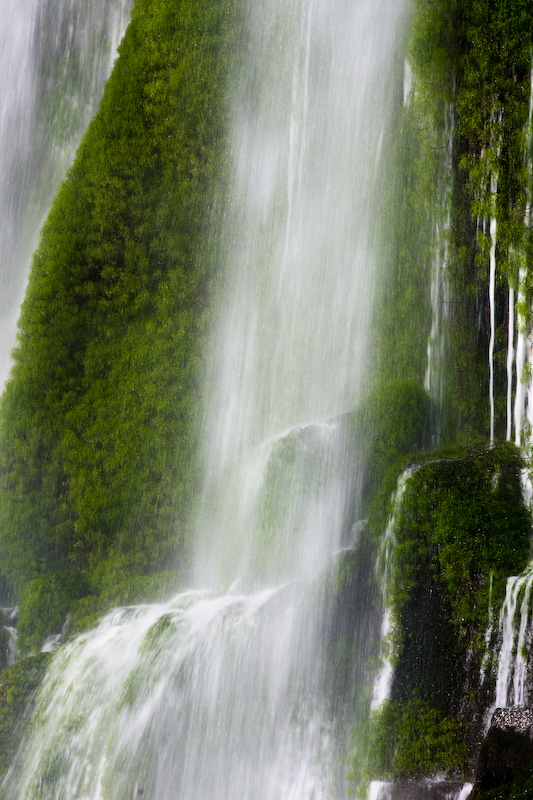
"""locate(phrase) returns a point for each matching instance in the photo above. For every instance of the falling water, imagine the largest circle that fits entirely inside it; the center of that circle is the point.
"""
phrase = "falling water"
(435, 377)
(523, 405)
(515, 636)
(492, 306)
(291, 347)
(383, 682)
(221, 694)
(55, 56)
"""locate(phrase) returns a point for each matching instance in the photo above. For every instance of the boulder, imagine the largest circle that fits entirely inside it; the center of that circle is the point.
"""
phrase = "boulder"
(507, 750)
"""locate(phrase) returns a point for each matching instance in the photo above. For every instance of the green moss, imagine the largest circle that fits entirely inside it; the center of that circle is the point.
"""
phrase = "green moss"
(461, 528)
(466, 120)
(390, 422)
(18, 685)
(89, 609)
(99, 422)
(464, 515)
(477, 56)
(412, 741)
(43, 607)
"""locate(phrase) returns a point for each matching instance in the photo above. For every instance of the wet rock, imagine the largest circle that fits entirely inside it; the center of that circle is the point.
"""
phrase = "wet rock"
(411, 790)
(507, 751)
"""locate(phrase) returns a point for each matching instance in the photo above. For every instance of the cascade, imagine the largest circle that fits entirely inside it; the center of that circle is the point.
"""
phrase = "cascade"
(434, 380)
(220, 692)
(492, 305)
(291, 346)
(515, 636)
(383, 681)
(510, 362)
(54, 60)
(522, 404)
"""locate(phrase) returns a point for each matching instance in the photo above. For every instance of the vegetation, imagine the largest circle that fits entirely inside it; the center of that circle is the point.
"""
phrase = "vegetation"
(475, 60)
(463, 516)
(412, 741)
(99, 422)
(18, 686)
(391, 422)
(518, 789)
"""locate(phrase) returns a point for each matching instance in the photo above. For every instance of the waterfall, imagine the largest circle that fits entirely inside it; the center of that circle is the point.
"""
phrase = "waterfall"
(510, 362)
(435, 377)
(492, 305)
(522, 405)
(54, 59)
(291, 343)
(383, 682)
(219, 692)
(515, 636)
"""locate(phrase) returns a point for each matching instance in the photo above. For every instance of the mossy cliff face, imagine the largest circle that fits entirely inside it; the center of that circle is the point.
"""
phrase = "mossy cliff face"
(461, 529)
(459, 159)
(99, 422)
(460, 207)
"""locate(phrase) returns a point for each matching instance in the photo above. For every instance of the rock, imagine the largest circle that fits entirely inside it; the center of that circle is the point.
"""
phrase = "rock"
(507, 750)
(413, 790)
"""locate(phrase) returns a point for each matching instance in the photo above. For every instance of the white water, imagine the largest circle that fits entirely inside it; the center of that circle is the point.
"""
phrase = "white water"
(510, 362)
(216, 695)
(380, 790)
(522, 402)
(487, 656)
(152, 706)
(515, 631)
(492, 306)
(435, 377)
(383, 682)
(291, 346)
(55, 56)
(523, 405)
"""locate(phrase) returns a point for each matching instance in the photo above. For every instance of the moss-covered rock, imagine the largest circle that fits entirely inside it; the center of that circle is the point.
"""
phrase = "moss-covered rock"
(18, 686)
(392, 421)
(406, 742)
(462, 529)
(100, 419)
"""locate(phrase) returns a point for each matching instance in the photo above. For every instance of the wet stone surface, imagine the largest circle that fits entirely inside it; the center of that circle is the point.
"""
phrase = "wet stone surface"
(507, 751)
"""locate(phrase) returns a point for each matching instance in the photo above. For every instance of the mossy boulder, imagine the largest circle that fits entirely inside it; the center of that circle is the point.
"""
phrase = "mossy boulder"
(392, 421)
(18, 686)
(463, 527)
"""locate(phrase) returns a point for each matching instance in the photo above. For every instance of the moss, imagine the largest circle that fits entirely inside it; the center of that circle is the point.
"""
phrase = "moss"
(406, 742)
(43, 607)
(87, 611)
(465, 121)
(18, 686)
(392, 421)
(464, 513)
(99, 422)
(461, 529)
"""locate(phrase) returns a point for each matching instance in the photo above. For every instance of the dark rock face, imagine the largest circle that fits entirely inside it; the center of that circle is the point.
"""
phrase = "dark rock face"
(507, 750)
(441, 790)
